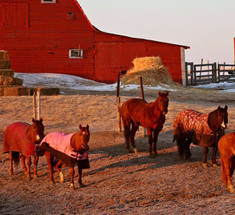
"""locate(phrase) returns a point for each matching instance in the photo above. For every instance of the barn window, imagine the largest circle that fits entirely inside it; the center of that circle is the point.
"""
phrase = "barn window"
(48, 1)
(75, 53)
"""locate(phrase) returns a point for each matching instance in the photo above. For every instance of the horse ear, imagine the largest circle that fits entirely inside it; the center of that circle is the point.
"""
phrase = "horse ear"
(33, 120)
(226, 107)
(41, 120)
(80, 126)
(87, 127)
(167, 93)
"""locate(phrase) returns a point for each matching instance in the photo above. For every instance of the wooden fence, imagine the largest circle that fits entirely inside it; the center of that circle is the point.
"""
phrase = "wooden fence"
(197, 74)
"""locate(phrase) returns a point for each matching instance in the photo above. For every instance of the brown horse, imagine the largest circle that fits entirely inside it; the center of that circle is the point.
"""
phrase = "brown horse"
(68, 149)
(226, 147)
(201, 129)
(136, 112)
(22, 138)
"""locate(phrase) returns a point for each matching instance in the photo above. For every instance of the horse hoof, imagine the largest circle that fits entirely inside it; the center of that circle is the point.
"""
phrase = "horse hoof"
(52, 182)
(214, 164)
(72, 187)
(82, 185)
(135, 150)
(151, 156)
(61, 177)
(35, 176)
(230, 188)
(204, 165)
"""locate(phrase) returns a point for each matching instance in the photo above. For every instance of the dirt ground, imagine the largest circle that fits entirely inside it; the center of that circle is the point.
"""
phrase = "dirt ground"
(117, 183)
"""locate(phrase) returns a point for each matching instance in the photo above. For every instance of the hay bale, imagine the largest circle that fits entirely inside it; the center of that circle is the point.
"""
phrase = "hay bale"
(8, 80)
(47, 91)
(7, 72)
(152, 71)
(5, 64)
(16, 91)
(1, 90)
(4, 55)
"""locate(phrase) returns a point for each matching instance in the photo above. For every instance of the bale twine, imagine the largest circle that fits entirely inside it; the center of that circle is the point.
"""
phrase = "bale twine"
(153, 72)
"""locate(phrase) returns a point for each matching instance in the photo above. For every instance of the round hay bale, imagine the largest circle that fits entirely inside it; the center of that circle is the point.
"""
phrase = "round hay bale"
(151, 69)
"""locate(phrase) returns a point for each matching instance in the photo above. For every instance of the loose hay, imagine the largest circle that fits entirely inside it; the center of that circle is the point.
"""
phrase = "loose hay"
(153, 73)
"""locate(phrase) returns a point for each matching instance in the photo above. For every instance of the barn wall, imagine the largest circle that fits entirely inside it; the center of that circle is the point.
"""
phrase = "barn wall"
(115, 53)
(40, 42)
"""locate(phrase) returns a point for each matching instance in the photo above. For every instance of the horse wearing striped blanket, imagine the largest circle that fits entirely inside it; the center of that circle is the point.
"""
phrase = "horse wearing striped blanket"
(204, 129)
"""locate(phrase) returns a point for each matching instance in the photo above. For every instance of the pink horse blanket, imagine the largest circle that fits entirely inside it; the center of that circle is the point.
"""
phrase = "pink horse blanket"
(61, 142)
(194, 121)
(16, 139)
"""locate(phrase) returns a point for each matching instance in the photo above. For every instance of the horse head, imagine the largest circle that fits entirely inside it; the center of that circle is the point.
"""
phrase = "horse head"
(79, 141)
(218, 118)
(162, 102)
(35, 131)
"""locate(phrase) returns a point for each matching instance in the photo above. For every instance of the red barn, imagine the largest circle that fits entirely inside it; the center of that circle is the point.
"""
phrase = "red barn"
(55, 36)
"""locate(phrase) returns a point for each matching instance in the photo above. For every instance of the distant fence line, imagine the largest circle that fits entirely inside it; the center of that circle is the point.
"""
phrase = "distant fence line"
(197, 74)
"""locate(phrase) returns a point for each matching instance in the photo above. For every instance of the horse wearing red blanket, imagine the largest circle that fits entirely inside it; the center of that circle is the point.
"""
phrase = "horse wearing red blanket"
(204, 129)
(22, 138)
(69, 149)
(136, 112)
(226, 147)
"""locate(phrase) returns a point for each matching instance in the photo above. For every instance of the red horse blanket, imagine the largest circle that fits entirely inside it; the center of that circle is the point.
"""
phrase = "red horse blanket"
(61, 142)
(16, 139)
(194, 121)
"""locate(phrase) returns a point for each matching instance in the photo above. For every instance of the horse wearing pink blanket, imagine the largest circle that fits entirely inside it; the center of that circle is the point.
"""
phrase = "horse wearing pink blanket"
(69, 149)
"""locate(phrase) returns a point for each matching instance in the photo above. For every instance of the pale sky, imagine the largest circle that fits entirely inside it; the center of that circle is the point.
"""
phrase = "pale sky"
(207, 26)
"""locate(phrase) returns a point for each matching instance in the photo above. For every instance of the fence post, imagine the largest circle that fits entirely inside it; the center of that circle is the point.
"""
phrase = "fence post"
(37, 104)
(218, 80)
(214, 78)
(142, 96)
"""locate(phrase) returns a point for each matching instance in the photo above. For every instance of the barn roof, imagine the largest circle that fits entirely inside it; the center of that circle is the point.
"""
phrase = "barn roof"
(97, 30)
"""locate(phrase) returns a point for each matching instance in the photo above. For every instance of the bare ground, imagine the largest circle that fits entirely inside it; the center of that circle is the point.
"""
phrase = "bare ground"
(117, 183)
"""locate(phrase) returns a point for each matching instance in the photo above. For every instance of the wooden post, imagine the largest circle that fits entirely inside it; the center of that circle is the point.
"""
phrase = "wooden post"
(118, 100)
(36, 105)
(142, 96)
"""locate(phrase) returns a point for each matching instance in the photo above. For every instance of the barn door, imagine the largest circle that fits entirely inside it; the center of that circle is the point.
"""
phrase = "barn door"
(14, 15)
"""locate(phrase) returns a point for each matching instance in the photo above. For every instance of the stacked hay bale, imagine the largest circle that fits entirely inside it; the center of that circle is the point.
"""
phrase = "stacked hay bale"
(11, 86)
(152, 71)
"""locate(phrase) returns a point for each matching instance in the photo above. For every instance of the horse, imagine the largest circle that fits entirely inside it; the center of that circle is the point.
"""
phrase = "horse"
(20, 141)
(68, 149)
(226, 147)
(136, 112)
(204, 129)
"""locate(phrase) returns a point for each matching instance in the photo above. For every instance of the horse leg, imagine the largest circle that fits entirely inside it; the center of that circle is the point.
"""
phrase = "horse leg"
(28, 159)
(214, 163)
(156, 133)
(227, 167)
(57, 167)
(224, 178)
(150, 138)
(133, 131)
(127, 136)
(35, 164)
(72, 175)
(11, 163)
(205, 151)
(22, 158)
(49, 159)
(80, 177)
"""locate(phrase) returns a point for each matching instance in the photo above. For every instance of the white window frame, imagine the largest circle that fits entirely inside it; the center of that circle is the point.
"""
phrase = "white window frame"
(79, 53)
(48, 2)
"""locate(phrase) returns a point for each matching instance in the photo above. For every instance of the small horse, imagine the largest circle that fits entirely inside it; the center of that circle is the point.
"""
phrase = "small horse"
(136, 112)
(226, 147)
(22, 138)
(200, 129)
(68, 149)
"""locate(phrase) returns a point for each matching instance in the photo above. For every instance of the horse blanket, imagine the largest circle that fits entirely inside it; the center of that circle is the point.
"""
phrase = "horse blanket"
(16, 139)
(194, 121)
(61, 142)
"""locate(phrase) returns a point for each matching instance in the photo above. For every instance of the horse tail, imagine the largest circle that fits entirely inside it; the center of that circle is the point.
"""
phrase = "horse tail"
(16, 157)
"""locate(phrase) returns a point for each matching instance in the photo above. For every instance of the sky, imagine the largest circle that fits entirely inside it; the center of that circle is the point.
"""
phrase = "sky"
(207, 26)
